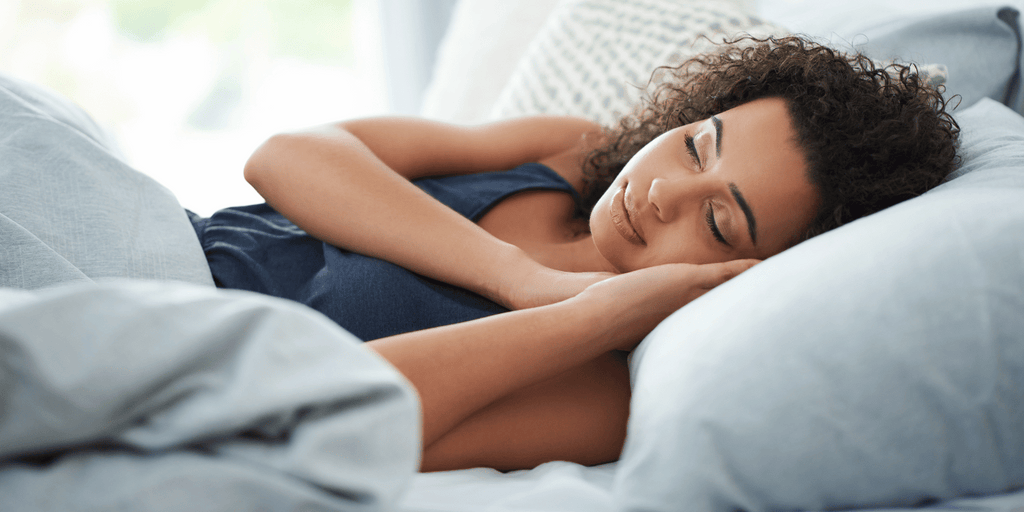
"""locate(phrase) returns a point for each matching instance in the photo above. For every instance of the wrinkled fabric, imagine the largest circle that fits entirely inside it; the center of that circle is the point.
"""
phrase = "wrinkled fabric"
(169, 396)
(72, 211)
(164, 394)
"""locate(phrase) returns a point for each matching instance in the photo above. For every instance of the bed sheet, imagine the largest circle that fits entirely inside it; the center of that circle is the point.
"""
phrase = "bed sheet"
(568, 487)
(553, 487)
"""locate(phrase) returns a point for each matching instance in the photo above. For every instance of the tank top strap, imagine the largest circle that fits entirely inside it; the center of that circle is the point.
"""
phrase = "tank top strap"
(473, 195)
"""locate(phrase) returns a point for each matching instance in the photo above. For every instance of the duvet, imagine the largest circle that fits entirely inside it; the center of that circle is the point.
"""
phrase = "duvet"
(127, 382)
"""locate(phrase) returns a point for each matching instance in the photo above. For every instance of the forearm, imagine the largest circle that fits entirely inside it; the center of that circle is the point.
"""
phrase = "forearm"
(341, 190)
(337, 190)
(462, 368)
(417, 147)
(579, 416)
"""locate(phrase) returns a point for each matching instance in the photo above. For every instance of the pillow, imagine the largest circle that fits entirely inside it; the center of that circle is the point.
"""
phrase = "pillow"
(480, 49)
(593, 57)
(71, 210)
(980, 47)
(846, 19)
(878, 364)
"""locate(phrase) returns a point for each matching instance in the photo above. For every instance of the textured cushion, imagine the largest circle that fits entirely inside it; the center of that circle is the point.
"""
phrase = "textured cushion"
(72, 210)
(593, 57)
(878, 364)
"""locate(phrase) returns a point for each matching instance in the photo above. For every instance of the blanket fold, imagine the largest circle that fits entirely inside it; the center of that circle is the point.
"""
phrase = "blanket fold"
(188, 395)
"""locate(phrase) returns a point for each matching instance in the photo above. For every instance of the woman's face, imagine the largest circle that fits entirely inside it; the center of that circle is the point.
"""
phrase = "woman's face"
(729, 187)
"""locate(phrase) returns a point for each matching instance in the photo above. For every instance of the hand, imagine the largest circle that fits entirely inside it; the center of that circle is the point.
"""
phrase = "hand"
(637, 301)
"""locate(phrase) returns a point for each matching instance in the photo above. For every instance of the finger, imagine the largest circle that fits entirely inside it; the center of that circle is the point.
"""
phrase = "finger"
(714, 274)
(741, 265)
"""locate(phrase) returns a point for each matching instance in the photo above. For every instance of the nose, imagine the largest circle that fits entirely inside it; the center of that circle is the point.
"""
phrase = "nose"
(667, 197)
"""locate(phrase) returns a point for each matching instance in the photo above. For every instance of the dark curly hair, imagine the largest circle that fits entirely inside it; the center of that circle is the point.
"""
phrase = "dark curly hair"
(872, 136)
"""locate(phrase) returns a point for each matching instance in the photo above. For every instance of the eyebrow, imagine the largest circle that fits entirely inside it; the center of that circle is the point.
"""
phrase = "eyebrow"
(751, 223)
(718, 135)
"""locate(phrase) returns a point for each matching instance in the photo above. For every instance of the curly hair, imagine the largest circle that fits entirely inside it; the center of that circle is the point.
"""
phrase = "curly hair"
(872, 136)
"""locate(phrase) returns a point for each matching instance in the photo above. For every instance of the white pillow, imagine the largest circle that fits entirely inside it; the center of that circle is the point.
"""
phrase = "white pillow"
(878, 364)
(480, 49)
(593, 57)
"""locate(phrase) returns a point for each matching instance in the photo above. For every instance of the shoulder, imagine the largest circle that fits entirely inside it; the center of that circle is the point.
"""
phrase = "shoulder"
(569, 163)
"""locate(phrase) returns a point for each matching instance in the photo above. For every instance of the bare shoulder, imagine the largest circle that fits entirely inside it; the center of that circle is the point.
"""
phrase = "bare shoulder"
(554, 127)
(569, 163)
(415, 148)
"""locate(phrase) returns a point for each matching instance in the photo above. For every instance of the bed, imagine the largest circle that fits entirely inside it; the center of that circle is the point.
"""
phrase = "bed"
(876, 367)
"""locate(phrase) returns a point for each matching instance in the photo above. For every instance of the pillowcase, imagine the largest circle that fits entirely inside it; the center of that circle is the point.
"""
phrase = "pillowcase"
(480, 49)
(878, 364)
(593, 58)
(980, 47)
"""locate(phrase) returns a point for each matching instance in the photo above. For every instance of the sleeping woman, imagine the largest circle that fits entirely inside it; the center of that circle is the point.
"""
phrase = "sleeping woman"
(505, 268)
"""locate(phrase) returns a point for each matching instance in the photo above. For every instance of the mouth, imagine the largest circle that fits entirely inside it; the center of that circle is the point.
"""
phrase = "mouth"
(622, 213)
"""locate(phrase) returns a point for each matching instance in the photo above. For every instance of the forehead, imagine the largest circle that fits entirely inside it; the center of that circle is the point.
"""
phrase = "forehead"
(760, 154)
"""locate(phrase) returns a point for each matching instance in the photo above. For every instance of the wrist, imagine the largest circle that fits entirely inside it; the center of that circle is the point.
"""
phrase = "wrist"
(623, 317)
(509, 270)
(610, 324)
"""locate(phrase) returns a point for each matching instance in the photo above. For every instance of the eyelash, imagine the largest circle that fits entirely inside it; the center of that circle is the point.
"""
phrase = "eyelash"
(710, 218)
(710, 215)
(692, 149)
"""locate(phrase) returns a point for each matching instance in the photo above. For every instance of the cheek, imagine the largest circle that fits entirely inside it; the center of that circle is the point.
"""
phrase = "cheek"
(617, 251)
(603, 232)
(672, 248)
(670, 245)
(682, 244)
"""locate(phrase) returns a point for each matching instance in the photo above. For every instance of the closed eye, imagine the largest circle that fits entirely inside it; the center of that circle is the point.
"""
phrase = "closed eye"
(713, 225)
(692, 149)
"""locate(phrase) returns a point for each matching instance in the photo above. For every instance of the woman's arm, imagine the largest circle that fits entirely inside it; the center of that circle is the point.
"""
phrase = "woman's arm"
(578, 416)
(461, 369)
(415, 148)
(348, 185)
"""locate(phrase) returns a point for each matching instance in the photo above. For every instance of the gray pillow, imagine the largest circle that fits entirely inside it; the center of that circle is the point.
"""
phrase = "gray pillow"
(880, 364)
(71, 210)
(980, 48)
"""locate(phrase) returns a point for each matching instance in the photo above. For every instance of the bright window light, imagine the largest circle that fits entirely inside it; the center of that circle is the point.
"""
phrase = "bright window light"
(191, 87)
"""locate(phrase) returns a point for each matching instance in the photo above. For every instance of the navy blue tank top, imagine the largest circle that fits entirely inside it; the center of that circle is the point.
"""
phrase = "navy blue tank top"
(255, 248)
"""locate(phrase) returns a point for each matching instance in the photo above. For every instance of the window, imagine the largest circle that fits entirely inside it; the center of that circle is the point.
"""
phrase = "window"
(191, 87)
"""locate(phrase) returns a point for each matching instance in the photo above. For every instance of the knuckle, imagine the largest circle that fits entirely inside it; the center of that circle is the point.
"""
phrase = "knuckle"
(724, 273)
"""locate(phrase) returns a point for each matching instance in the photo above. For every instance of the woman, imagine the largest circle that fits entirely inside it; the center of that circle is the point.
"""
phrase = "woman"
(738, 156)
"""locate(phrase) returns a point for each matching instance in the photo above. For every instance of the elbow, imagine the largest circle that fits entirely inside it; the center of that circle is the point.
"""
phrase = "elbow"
(251, 171)
(261, 166)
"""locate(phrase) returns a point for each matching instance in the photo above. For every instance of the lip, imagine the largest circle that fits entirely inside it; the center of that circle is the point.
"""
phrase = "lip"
(621, 211)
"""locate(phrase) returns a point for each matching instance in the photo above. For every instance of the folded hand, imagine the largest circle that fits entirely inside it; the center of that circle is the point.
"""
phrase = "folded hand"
(643, 298)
